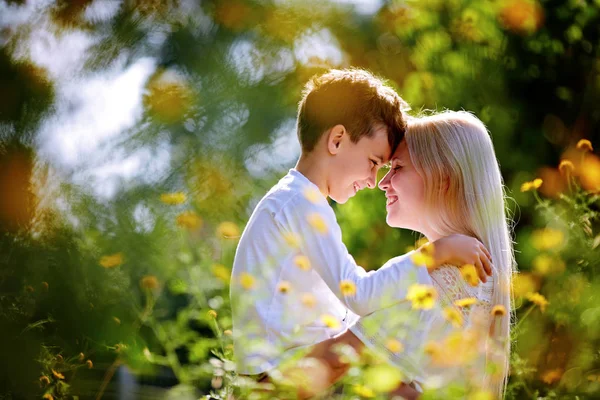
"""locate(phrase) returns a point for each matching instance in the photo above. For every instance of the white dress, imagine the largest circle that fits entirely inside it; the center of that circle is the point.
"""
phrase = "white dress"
(435, 351)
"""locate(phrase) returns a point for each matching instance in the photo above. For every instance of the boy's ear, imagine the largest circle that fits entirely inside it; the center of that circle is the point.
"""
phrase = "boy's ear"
(334, 138)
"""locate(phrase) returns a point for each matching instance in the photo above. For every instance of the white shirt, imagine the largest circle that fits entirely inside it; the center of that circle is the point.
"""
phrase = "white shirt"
(270, 324)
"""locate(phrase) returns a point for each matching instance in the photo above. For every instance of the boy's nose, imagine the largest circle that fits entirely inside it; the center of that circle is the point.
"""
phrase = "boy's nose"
(384, 182)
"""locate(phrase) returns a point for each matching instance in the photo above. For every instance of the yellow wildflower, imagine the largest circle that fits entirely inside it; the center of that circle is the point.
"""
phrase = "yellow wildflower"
(538, 300)
(364, 391)
(149, 282)
(433, 350)
(189, 220)
(247, 281)
(585, 145)
(394, 346)
(221, 272)
(330, 321)
(44, 380)
(81, 357)
(420, 258)
(292, 240)
(469, 273)
(47, 396)
(590, 173)
(422, 242)
(57, 375)
(173, 199)
(526, 187)
(533, 185)
(89, 364)
(348, 288)
(566, 167)
(547, 238)
(466, 302)
(284, 287)
(481, 395)
(308, 300)
(422, 296)
(454, 316)
(317, 222)
(302, 262)
(524, 283)
(59, 358)
(212, 313)
(552, 376)
(227, 332)
(111, 261)
(228, 230)
(498, 310)
(313, 195)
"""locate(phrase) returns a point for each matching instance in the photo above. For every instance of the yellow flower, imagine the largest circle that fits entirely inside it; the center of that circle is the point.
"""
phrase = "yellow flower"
(330, 321)
(317, 222)
(173, 199)
(89, 364)
(498, 310)
(454, 316)
(481, 395)
(313, 195)
(308, 300)
(81, 357)
(302, 262)
(422, 242)
(228, 230)
(590, 173)
(348, 288)
(469, 273)
(433, 350)
(523, 283)
(364, 391)
(247, 281)
(552, 375)
(538, 300)
(45, 285)
(292, 240)
(533, 185)
(585, 145)
(149, 282)
(221, 272)
(284, 287)
(422, 296)
(466, 302)
(547, 238)
(29, 288)
(44, 380)
(212, 313)
(47, 396)
(566, 167)
(111, 261)
(420, 258)
(227, 332)
(57, 375)
(394, 346)
(189, 220)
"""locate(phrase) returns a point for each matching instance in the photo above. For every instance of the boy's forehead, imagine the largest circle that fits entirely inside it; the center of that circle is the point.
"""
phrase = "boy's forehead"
(401, 152)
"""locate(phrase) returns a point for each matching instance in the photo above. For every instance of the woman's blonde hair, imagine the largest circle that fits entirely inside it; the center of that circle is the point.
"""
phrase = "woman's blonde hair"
(464, 193)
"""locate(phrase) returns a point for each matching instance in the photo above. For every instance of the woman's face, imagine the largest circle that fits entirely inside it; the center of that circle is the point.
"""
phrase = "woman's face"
(405, 192)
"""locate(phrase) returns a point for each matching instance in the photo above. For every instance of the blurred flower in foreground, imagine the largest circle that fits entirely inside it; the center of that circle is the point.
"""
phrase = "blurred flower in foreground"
(469, 273)
(421, 296)
(330, 321)
(363, 391)
(394, 345)
(284, 287)
(57, 375)
(302, 262)
(221, 272)
(584, 145)
(466, 302)
(348, 288)
(422, 258)
(481, 395)
(189, 220)
(546, 264)
(111, 261)
(538, 300)
(212, 313)
(293, 240)
(522, 16)
(590, 173)
(317, 222)
(47, 396)
(173, 198)
(308, 300)
(149, 282)
(89, 364)
(498, 310)
(533, 185)
(566, 167)
(44, 380)
(168, 96)
(247, 281)
(524, 283)
(454, 316)
(313, 195)
(551, 376)
(228, 230)
(547, 239)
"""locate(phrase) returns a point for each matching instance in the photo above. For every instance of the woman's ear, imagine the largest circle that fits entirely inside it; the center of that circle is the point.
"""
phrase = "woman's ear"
(334, 138)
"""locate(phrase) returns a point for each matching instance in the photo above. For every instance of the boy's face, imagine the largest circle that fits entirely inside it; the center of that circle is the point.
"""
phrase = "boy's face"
(356, 164)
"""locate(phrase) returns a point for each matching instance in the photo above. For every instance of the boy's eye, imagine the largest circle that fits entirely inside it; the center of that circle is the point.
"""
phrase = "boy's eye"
(374, 163)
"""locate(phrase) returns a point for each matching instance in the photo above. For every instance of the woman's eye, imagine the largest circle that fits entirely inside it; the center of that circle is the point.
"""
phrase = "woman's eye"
(374, 163)
(397, 167)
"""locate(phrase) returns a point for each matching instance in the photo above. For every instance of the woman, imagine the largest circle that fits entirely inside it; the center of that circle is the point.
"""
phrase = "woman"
(445, 179)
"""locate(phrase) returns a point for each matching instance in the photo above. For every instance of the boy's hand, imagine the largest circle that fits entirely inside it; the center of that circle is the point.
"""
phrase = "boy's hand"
(459, 250)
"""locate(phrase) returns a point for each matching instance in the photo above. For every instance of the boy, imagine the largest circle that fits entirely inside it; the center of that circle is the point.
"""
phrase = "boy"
(293, 282)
